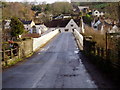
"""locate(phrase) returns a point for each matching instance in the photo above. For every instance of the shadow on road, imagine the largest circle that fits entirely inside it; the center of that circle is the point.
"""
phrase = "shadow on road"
(100, 78)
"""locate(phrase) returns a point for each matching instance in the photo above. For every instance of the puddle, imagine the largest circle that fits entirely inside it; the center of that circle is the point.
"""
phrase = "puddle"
(69, 75)
(89, 81)
(76, 52)
(80, 61)
(77, 48)
(74, 69)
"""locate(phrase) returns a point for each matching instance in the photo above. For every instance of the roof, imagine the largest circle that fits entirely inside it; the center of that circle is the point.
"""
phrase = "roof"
(61, 22)
(83, 7)
(26, 22)
(38, 23)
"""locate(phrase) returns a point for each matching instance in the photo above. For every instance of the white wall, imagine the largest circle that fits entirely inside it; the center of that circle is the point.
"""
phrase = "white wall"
(27, 27)
(79, 39)
(39, 42)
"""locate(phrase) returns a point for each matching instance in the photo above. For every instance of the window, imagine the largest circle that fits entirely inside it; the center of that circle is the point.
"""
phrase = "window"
(73, 30)
(96, 12)
(34, 31)
(71, 25)
(66, 30)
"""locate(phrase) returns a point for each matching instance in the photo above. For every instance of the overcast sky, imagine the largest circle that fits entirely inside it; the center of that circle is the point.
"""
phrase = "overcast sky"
(48, 1)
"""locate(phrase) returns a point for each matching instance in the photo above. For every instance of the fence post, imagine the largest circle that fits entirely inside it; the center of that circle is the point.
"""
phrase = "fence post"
(11, 53)
(108, 54)
(98, 51)
(94, 50)
(119, 54)
(102, 52)
(18, 52)
(4, 57)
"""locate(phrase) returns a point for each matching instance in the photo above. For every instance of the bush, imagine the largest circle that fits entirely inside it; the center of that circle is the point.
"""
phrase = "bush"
(16, 26)
(97, 36)
(87, 19)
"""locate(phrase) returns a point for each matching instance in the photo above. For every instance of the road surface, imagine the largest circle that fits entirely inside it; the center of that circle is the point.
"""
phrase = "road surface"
(57, 65)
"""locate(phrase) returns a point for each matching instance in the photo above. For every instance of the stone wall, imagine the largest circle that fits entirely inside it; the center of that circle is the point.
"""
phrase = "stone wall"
(26, 47)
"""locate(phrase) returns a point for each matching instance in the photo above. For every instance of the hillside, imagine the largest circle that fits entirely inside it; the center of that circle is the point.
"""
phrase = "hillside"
(111, 8)
(20, 10)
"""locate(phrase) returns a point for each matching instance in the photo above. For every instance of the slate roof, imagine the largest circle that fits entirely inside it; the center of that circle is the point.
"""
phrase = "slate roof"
(60, 22)
(26, 22)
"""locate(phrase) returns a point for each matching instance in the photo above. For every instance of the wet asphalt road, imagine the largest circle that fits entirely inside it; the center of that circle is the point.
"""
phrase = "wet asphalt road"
(57, 65)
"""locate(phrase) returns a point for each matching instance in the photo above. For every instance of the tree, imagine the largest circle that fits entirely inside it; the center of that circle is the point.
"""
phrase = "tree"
(47, 8)
(21, 10)
(17, 27)
(36, 8)
(61, 7)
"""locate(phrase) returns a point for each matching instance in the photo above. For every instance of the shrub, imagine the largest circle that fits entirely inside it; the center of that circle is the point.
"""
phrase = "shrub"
(97, 36)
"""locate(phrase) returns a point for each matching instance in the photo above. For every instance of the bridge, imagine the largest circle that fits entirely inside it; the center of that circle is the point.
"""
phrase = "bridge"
(60, 64)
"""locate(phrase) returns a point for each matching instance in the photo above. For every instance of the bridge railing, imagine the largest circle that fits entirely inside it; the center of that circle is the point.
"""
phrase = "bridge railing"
(79, 39)
(107, 59)
(39, 42)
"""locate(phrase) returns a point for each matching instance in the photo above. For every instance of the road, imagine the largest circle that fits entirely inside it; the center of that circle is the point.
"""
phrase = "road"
(57, 65)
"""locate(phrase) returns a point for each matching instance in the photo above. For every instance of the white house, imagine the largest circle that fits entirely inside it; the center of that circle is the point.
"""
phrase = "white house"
(97, 13)
(35, 30)
(67, 16)
(28, 24)
(114, 29)
(38, 28)
(7, 24)
(70, 26)
(64, 25)
(83, 8)
(43, 28)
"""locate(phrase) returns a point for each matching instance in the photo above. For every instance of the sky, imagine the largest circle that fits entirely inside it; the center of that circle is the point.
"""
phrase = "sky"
(48, 1)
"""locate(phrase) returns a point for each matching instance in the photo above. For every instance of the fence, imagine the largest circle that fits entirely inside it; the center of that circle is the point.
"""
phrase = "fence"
(10, 54)
(26, 48)
(110, 55)
(106, 59)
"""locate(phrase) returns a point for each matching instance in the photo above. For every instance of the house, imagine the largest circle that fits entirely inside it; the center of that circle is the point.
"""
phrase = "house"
(43, 28)
(105, 25)
(62, 16)
(28, 24)
(75, 8)
(114, 29)
(64, 25)
(58, 16)
(40, 28)
(6, 32)
(97, 25)
(7, 24)
(36, 30)
(39, 15)
(97, 13)
(67, 16)
(84, 9)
